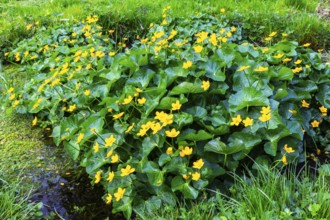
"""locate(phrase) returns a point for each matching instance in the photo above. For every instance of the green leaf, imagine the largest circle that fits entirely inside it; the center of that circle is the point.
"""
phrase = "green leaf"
(274, 136)
(247, 97)
(72, 149)
(285, 73)
(56, 134)
(149, 143)
(163, 159)
(186, 88)
(213, 71)
(201, 135)
(154, 174)
(178, 184)
(323, 95)
(219, 147)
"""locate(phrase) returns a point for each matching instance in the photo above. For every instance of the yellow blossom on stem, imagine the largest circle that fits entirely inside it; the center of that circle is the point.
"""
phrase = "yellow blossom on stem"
(284, 160)
(222, 10)
(185, 176)
(186, 151)
(142, 101)
(109, 141)
(172, 133)
(272, 34)
(109, 153)
(236, 120)
(315, 123)
(87, 92)
(130, 128)
(169, 151)
(247, 122)
(96, 147)
(10, 90)
(187, 64)
(176, 105)
(306, 45)
(297, 70)
(288, 149)
(205, 85)
(196, 176)
(127, 100)
(80, 137)
(142, 132)
(155, 127)
(297, 62)
(117, 116)
(198, 48)
(114, 158)
(261, 69)
(12, 96)
(97, 177)
(265, 117)
(34, 122)
(198, 164)
(286, 60)
(111, 175)
(72, 108)
(265, 110)
(127, 171)
(323, 110)
(243, 68)
(278, 56)
(119, 194)
(304, 104)
(108, 199)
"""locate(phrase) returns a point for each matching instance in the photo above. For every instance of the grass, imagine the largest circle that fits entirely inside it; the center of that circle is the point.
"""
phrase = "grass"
(263, 194)
(14, 200)
(258, 18)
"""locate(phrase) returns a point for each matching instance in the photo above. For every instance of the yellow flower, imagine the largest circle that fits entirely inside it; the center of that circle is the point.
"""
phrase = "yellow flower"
(127, 100)
(80, 137)
(169, 150)
(293, 111)
(265, 110)
(12, 96)
(304, 104)
(323, 110)
(109, 153)
(127, 170)
(278, 56)
(243, 68)
(138, 90)
(268, 38)
(205, 85)
(236, 121)
(272, 34)
(248, 122)
(222, 10)
(117, 116)
(155, 127)
(315, 124)
(198, 48)
(29, 26)
(10, 90)
(284, 160)
(306, 45)
(96, 147)
(307, 66)
(111, 176)
(286, 60)
(119, 194)
(97, 177)
(165, 119)
(130, 128)
(186, 151)
(88, 66)
(284, 35)
(261, 69)
(288, 149)
(87, 92)
(114, 158)
(265, 50)
(187, 64)
(72, 108)
(196, 176)
(34, 122)
(15, 103)
(172, 133)
(111, 54)
(298, 62)
(297, 70)
(142, 132)
(108, 199)
(176, 105)
(198, 164)
(142, 100)
(265, 117)
(109, 141)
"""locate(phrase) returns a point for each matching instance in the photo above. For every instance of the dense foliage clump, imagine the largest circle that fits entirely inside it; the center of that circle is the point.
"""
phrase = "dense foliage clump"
(171, 114)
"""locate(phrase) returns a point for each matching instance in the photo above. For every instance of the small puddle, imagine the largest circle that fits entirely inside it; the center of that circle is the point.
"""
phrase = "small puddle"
(67, 194)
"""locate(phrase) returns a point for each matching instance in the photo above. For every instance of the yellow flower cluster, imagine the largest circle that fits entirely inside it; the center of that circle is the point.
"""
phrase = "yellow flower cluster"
(265, 114)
